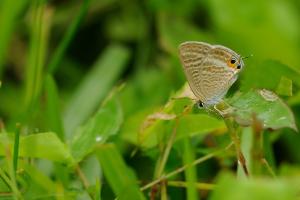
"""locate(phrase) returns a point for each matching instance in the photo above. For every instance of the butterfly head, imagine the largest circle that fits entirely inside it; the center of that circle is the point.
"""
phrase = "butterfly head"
(235, 62)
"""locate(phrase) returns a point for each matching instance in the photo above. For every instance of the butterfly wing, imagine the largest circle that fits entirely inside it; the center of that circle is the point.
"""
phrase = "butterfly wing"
(206, 70)
(216, 76)
(192, 56)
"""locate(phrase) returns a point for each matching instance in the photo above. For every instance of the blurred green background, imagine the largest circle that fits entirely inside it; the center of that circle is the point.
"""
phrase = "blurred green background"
(84, 84)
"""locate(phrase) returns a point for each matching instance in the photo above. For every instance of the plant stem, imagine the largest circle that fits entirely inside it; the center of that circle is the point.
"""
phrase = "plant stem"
(84, 180)
(233, 132)
(190, 173)
(16, 193)
(167, 150)
(200, 186)
(16, 149)
(163, 193)
(181, 169)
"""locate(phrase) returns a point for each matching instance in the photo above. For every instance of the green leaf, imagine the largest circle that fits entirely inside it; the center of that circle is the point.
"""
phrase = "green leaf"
(267, 106)
(151, 129)
(41, 145)
(95, 86)
(40, 28)
(39, 178)
(53, 115)
(230, 188)
(190, 173)
(194, 124)
(120, 178)
(105, 123)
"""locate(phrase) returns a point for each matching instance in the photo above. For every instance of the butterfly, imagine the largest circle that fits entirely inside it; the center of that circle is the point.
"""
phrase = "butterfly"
(210, 70)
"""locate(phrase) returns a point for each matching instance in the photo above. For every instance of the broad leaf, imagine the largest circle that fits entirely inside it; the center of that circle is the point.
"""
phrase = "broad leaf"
(41, 145)
(95, 85)
(105, 123)
(267, 107)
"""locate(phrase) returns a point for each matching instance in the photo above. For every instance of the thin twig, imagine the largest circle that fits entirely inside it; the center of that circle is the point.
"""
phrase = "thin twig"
(234, 137)
(163, 193)
(82, 177)
(200, 186)
(167, 150)
(181, 169)
(11, 184)
(84, 181)
(269, 168)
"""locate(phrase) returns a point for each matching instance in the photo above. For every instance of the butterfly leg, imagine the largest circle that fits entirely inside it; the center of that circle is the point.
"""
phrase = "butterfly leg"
(200, 104)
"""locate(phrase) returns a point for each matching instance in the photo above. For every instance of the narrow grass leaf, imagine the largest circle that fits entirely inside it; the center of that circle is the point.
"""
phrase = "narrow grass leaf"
(16, 149)
(53, 115)
(190, 172)
(94, 87)
(120, 178)
(40, 178)
(38, 48)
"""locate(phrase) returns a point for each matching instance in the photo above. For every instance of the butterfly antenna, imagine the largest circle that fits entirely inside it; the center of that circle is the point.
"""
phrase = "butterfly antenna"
(244, 57)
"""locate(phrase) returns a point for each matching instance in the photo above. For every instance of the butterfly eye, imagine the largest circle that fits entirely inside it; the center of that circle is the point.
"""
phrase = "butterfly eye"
(232, 61)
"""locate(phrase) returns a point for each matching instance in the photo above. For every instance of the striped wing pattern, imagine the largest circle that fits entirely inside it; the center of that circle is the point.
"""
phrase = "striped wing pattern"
(206, 70)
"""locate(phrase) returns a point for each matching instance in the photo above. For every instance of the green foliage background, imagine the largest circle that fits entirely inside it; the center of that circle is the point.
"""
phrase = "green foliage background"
(86, 108)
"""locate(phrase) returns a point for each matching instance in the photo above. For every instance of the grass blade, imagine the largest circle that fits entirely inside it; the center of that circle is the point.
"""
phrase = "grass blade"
(119, 177)
(95, 86)
(41, 145)
(54, 120)
(105, 123)
(37, 52)
(16, 149)
(190, 172)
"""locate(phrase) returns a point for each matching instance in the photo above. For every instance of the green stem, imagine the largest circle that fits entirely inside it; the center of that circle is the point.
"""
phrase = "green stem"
(16, 149)
(181, 169)
(164, 158)
(257, 147)
(199, 186)
(16, 193)
(233, 132)
(190, 173)
(34, 62)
